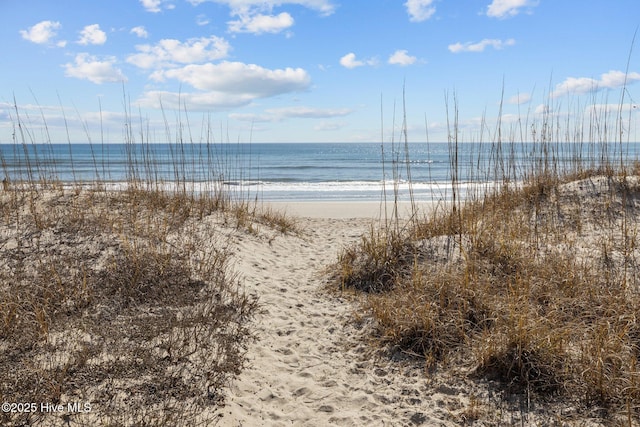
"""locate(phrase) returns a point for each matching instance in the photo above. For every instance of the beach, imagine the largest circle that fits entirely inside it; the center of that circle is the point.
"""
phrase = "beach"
(371, 210)
(279, 298)
(312, 364)
(271, 213)
(315, 357)
(318, 361)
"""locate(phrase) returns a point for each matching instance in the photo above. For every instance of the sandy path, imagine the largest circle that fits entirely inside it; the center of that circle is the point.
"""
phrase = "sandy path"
(309, 367)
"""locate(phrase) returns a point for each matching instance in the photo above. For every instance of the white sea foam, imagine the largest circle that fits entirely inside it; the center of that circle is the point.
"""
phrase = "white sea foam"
(327, 190)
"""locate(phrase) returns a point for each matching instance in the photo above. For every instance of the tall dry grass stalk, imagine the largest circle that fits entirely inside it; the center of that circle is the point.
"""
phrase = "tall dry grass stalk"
(123, 300)
(531, 283)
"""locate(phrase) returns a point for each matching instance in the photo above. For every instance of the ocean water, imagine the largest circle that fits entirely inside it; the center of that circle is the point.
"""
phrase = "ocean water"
(305, 171)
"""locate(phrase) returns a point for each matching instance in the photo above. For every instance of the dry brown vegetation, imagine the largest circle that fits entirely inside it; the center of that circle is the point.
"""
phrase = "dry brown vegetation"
(125, 301)
(122, 300)
(533, 289)
(530, 287)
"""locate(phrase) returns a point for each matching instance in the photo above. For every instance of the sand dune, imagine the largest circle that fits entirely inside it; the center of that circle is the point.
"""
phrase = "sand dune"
(313, 363)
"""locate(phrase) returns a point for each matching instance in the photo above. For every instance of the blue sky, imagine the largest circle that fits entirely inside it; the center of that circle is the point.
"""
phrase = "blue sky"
(310, 70)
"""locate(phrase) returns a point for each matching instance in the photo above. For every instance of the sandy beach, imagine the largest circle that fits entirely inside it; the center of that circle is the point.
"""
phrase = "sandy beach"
(351, 209)
(312, 365)
(315, 360)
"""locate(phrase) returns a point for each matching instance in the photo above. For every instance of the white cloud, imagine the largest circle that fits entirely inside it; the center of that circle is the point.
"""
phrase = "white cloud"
(507, 8)
(329, 126)
(401, 57)
(42, 32)
(308, 112)
(519, 99)
(92, 34)
(256, 16)
(97, 117)
(202, 20)
(420, 10)
(88, 67)
(300, 112)
(614, 79)
(140, 32)
(349, 61)
(542, 109)
(510, 118)
(251, 117)
(156, 6)
(325, 7)
(612, 108)
(151, 5)
(577, 85)
(5, 116)
(582, 85)
(240, 78)
(258, 23)
(168, 52)
(195, 101)
(480, 46)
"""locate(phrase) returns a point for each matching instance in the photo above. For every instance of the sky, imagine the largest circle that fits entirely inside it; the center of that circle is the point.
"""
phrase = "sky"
(311, 70)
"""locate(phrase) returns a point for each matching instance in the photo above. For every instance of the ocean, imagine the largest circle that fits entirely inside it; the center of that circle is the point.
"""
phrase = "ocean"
(305, 171)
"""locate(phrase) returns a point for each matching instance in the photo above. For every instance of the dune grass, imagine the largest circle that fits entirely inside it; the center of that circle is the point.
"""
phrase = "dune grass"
(123, 300)
(530, 286)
